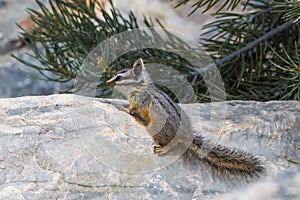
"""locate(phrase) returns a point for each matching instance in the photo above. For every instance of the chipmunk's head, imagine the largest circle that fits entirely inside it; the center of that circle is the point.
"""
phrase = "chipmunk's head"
(127, 80)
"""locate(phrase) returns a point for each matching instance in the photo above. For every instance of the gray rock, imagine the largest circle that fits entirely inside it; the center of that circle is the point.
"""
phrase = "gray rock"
(17, 79)
(73, 147)
(2, 3)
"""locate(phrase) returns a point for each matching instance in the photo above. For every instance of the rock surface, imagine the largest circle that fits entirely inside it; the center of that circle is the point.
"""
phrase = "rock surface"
(73, 147)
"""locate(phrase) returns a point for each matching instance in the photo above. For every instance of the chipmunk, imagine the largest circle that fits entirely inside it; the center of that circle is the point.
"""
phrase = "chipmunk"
(163, 118)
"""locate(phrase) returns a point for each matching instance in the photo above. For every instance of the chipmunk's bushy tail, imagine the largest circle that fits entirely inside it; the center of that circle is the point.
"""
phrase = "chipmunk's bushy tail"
(226, 161)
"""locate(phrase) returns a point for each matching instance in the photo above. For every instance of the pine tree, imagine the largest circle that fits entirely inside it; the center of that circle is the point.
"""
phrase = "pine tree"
(256, 51)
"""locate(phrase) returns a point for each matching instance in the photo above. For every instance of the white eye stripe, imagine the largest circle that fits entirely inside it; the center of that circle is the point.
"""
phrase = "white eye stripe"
(123, 73)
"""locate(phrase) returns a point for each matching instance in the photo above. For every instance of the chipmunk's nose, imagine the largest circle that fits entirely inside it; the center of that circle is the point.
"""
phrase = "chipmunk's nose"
(111, 83)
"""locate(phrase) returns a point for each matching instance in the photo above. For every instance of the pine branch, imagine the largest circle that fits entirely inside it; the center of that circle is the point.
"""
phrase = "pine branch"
(241, 47)
(66, 32)
(256, 51)
(209, 4)
(290, 11)
(245, 49)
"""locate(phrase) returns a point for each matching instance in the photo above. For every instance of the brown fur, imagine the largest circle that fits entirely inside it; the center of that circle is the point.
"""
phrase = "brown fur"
(227, 161)
(165, 121)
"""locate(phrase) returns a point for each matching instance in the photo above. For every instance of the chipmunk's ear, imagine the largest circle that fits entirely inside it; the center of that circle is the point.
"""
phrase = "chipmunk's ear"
(138, 67)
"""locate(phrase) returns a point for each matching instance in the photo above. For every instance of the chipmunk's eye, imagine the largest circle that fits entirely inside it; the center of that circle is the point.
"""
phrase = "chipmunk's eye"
(119, 78)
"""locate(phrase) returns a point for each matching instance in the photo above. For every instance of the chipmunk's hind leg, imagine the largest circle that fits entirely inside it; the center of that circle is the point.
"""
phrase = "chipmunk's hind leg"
(158, 149)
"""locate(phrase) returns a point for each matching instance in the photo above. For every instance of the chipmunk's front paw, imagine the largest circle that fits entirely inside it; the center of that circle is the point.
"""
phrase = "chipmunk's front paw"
(122, 108)
(158, 149)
